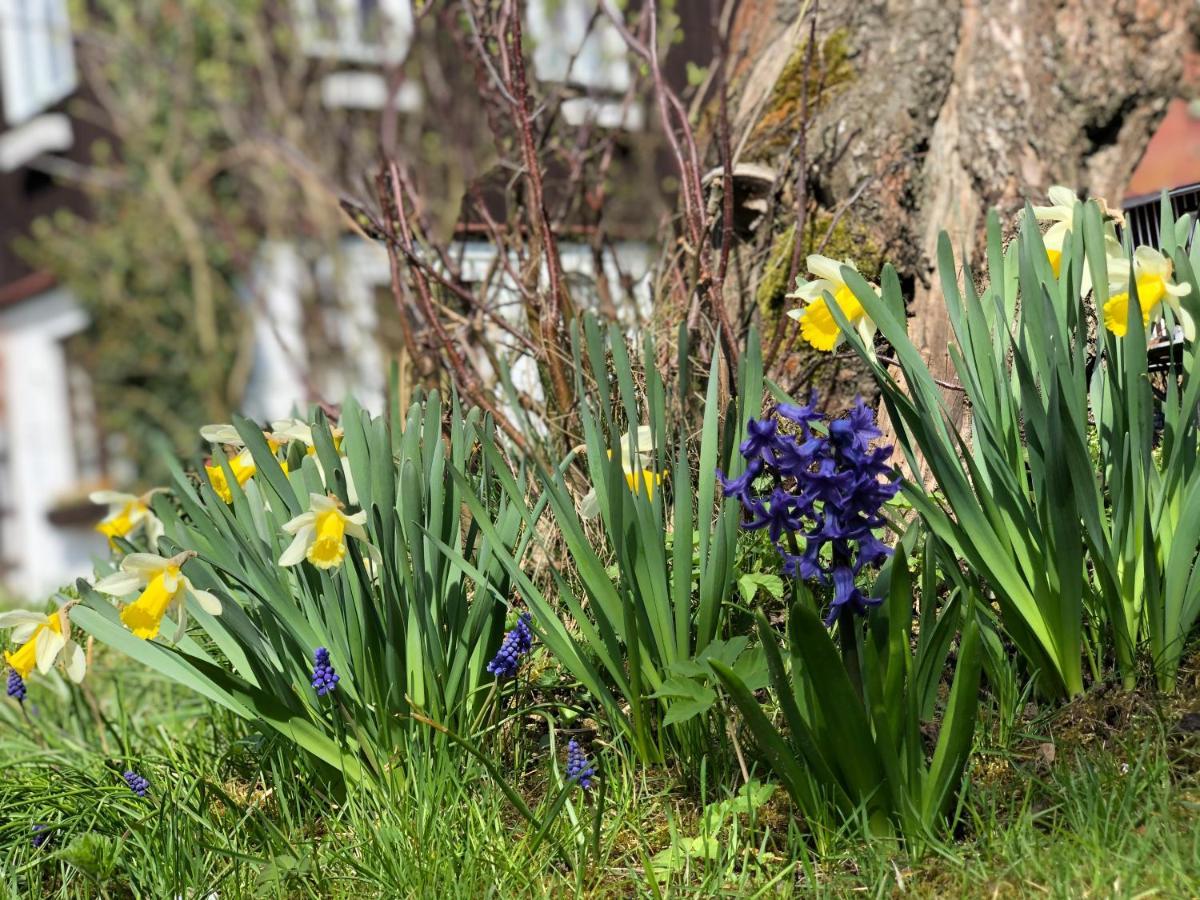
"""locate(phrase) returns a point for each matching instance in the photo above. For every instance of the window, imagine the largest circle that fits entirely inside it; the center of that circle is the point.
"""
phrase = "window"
(575, 43)
(86, 437)
(366, 31)
(37, 63)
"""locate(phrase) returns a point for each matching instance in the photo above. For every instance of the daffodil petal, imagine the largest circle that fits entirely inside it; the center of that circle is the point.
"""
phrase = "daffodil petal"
(21, 617)
(299, 546)
(207, 600)
(111, 498)
(146, 565)
(118, 584)
(48, 645)
(220, 434)
(293, 526)
(829, 269)
(76, 662)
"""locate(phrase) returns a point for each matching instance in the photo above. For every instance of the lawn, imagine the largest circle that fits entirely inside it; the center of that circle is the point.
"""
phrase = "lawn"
(1096, 798)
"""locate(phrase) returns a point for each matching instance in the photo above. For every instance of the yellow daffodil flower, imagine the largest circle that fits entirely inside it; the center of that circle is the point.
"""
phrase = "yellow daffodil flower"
(637, 469)
(320, 534)
(242, 462)
(286, 430)
(127, 515)
(162, 586)
(243, 468)
(1061, 212)
(298, 430)
(44, 641)
(1152, 274)
(817, 324)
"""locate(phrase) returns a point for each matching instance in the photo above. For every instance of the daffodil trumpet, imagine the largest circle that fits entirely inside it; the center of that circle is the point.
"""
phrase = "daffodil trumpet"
(817, 324)
(161, 587)
(241, 466)
(127, 515)
(320, 534)
(44, 640)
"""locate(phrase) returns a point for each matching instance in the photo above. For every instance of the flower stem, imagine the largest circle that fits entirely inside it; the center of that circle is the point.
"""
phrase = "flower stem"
(848, 633)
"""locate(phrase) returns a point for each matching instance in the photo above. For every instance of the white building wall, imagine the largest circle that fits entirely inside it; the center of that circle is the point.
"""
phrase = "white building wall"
(274, 296)
(37, 436)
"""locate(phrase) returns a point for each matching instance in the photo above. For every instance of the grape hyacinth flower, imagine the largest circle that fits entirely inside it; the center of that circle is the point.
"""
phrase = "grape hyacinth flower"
(41, 834)
(827, 489)
(137, 783)
(516, 644)
(324, 678)
(16, 686)
(578, 767)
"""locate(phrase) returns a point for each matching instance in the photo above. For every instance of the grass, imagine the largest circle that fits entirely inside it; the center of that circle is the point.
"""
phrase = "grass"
(1097, 798)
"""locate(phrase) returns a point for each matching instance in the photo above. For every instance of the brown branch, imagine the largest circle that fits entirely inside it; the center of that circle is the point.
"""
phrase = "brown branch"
(391, 195)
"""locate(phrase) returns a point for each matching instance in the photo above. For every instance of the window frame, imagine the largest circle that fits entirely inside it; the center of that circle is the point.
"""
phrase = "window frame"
(37, 57)
(349, 45)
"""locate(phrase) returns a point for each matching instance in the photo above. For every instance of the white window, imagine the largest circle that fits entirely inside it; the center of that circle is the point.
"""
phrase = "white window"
(37, 64)
(576, 43)
(365, 31)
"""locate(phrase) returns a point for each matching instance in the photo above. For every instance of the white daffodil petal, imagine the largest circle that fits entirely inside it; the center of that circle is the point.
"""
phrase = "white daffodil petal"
(866, 331)
(20, 617)
(1149, 261)
(354, 529)
(146, 565)
(1177, 290)
(351, 490)
(359, 518)
(813, 290)
(828, 269)
(221, 434)
(154, 530)
(1056, 235)
(76, 662)
(292, 430)
(49, 644)
(207, 600)
(118, 584)
(299, 546)
(1188, 324)
(23, 633)
(320, 502)
(1061, 196)
(292, 526)
(110, 498)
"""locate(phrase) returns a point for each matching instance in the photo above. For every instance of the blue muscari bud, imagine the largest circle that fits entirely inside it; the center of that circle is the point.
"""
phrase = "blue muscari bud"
(516, 644)
(16, 686)
(578, 767)
(137, 783)
(324, 678)
(41, 834)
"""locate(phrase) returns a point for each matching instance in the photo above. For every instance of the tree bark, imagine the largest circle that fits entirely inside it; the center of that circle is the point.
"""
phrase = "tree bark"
(949, 108)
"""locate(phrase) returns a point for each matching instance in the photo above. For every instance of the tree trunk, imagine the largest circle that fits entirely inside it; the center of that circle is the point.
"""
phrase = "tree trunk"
(928, 112)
